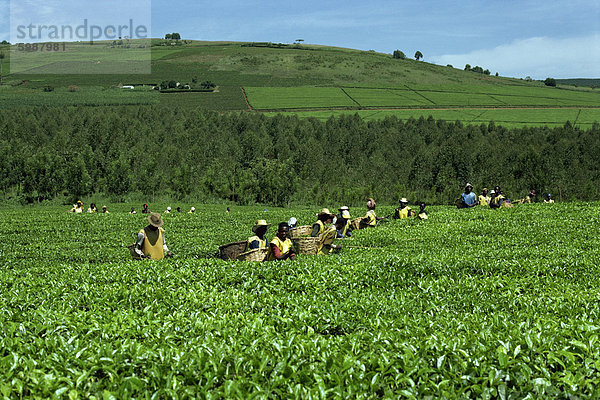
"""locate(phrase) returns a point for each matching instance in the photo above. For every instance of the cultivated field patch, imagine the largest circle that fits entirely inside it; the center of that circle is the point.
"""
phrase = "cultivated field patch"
(469, 303)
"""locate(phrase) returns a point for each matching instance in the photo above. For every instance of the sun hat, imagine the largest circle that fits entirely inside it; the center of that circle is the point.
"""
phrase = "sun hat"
(403, 200)
(346, 214)
(79, 202)
(103, 206)
(492, 191)
(169, 208)
(258, 224)
(484, 189)
(155, 219)
(467, 185)
(193, 209)
(343, 208)
(325, 211)
(292, 221)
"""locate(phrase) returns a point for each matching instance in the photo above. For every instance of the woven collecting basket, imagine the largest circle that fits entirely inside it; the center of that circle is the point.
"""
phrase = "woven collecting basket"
(300, 231)
(134, 255)
(230, 251)
(253, 255)
(306, 245)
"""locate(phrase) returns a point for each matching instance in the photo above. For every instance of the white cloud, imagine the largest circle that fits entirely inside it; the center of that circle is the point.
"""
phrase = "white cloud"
(538, 57)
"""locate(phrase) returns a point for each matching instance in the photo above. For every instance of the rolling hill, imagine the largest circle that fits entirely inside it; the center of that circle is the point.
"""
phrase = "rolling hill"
(309, 80)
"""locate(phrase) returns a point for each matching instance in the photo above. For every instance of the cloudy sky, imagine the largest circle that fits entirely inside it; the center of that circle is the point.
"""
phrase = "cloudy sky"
(516, 38)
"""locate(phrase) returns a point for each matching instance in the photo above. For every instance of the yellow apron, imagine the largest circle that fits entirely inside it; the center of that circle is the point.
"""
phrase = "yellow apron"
(371, 218)
(154, 251)
(326, 238)
(285, 246)
(261, 242)
(402, 213)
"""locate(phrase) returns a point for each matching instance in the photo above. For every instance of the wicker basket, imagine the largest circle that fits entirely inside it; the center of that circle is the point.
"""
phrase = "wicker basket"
(230, 251)
(306, 245)
(254, 255)
(133, 253)
(300, 231)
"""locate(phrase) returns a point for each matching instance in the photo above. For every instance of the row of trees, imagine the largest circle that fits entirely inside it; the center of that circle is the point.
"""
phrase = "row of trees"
(477, 69)
(173, 36)
(69, 153)
(399, 54)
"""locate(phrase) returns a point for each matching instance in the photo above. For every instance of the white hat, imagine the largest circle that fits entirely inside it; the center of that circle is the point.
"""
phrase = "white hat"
(325, 211)
(169, 208)
(403, 200)
(258, 224)
(346, 214)
(492, 191)
(193, 208)
(293, 221)
(343, 208)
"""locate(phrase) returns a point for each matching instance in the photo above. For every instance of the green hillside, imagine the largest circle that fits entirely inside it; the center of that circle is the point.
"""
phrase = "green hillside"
(308, 79)
(592, 83)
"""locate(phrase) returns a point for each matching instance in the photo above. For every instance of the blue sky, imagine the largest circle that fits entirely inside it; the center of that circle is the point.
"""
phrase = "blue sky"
(522, 38)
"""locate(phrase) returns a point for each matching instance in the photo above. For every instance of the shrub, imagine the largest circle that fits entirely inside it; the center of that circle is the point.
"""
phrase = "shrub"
(399, 55)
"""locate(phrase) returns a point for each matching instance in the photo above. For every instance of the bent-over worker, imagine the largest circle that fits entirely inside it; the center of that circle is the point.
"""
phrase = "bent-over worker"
(77, 208)
(422, 213)
(258, 241)
(403, 211)
(346, 224)
(370, 219)
(484, 198)
(151, 241)
(327, 238)
(324, 218)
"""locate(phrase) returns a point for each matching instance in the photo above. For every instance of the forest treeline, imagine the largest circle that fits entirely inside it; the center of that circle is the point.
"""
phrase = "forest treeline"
(71, 153)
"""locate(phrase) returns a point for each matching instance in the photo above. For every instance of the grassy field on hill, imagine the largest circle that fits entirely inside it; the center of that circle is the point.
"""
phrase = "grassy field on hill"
(475, 303)
(301, 78)
(583, 118)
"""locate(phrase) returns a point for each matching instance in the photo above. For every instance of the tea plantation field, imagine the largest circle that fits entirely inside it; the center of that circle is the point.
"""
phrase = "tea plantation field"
(468, 304)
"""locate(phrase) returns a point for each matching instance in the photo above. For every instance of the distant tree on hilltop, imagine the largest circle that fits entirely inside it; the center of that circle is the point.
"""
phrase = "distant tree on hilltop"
(418, 55)
(173, 36)
(477, 69)
(550, 82)
(399, 55)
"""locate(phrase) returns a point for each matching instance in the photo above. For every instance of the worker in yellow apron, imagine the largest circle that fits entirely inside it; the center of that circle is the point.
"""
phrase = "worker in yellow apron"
(151, 241)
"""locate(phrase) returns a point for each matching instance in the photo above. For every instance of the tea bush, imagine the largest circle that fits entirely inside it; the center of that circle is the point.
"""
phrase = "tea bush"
(468, 304)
